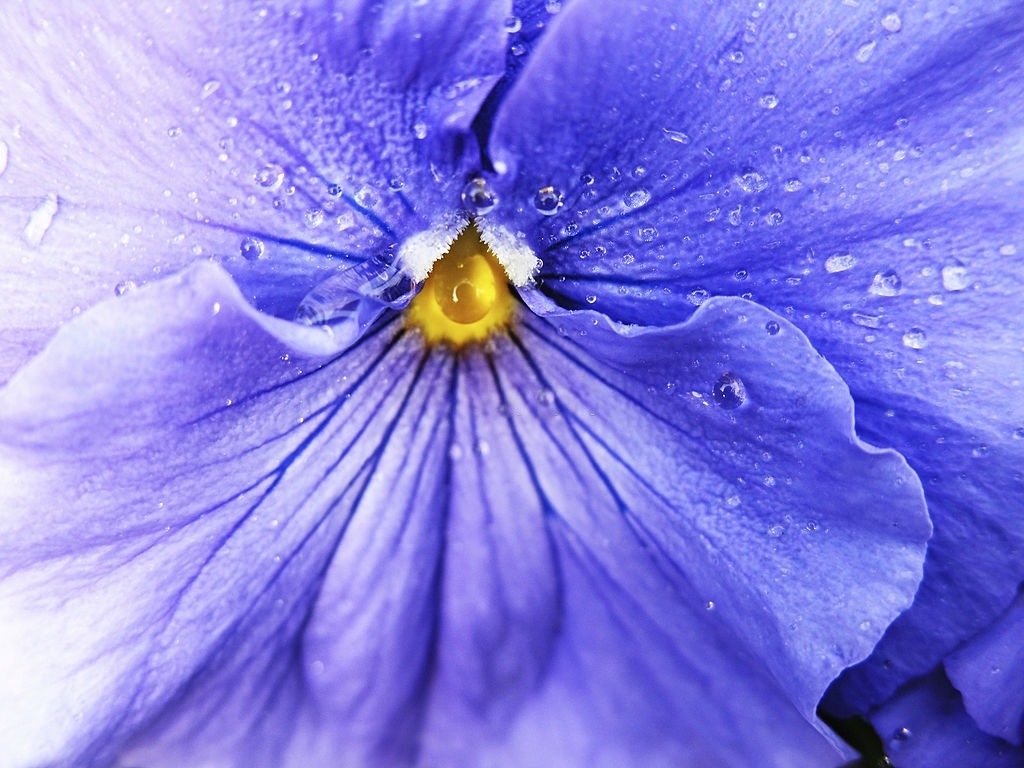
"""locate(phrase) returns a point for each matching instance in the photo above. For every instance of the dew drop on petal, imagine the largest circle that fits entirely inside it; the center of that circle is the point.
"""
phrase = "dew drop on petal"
(478, 197)
(513, 24)
(270, 176)
(840, 262)
(174, 131)
(547, 201)
(252, 248)
(647, 234)
(677, 136)
(123, 287)
(793, 185)
(1018, 433)
(772, 327)
(729, 391)
(892, 22)
(591, 299)
(886, 283)
(40, 219)
(420, 129)
(313, 217)
(751, 181)
(915, 338)
(954, 278)
(776, 530)
(769, 101)
(637, 198)
(864, 53)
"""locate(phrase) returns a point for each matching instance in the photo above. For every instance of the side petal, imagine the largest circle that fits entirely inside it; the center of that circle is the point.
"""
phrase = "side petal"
(286, 140)
(855, 169)
(986, 672)
(925, 725)
(170, 517)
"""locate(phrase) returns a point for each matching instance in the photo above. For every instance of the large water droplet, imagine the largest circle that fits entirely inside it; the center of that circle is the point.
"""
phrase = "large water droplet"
(886, 283)
(954, 278)
(637, 198)
(352, 299)
(892, 22)
(769, 101)
(252, 248)
(840, 262)
(729, 391)
(40, 219)
(915, 338)
(513, 24)
(270, 176)
(751, 181)
(772, 327)
(864, 53)
(478, 197)
(547, 201)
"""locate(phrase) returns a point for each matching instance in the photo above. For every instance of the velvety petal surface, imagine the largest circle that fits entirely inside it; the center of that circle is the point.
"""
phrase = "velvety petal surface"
(855, 168)
(285, 139)
(170, 518)
(925, 726)
(689, 587)
(987, 672)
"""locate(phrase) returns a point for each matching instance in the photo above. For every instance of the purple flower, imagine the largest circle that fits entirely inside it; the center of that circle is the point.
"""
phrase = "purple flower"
(282, 484)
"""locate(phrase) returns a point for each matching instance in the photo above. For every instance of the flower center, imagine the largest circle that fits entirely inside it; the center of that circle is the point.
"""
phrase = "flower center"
(466, 296)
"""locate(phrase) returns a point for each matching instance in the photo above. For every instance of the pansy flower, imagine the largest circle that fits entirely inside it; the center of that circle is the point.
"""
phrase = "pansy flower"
(453, 384)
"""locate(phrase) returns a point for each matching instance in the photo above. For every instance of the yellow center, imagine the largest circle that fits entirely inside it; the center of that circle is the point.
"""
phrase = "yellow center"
(465, 298)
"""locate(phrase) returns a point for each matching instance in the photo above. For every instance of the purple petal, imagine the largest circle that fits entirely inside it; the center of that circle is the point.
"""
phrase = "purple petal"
(925, 726)
(170, 516)
(285, 141)
(853, 168)
(987, 672)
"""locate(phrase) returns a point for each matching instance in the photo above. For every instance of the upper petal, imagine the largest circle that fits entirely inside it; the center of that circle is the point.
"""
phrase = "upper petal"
(283, 139)
(856, 169)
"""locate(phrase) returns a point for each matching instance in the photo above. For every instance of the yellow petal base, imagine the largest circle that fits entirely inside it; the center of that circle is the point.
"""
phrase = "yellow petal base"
(466, 296)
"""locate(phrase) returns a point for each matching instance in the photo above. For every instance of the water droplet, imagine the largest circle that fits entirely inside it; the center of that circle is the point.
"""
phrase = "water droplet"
(902, 734)
(1008, 250)
(513, 24)
(736, 57)
(769, 101)
(591, 299)
(729, 391)
(210, 87)
(647, 234)
(420, 129)
(793, 185)
(40, 219)
(775, 530)
(313, 217)
(123, 287)
(252, 248)
(710, 605)
(886, 283)
(751, 181)
(270, 176)
(697, 296)
(772, 327)
(547, 201)
(677, 136)
(915, 338)
(866, 321)
(553, 6)
(774, 217)
(892, 22)
(478, 197)
(954, 278)
(3, 157)
(1019, 433)
(174, 131)
(865, 52)
(840, 262)
(637, 198)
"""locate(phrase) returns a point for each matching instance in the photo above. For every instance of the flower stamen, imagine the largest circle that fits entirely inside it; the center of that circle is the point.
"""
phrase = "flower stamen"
(466, 296)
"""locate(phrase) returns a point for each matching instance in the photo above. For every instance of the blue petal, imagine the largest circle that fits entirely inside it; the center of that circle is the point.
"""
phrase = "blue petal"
(665, 545)
(172, 515)
(854, 168)
(285, 141)
(987, 672)
(925, 726)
